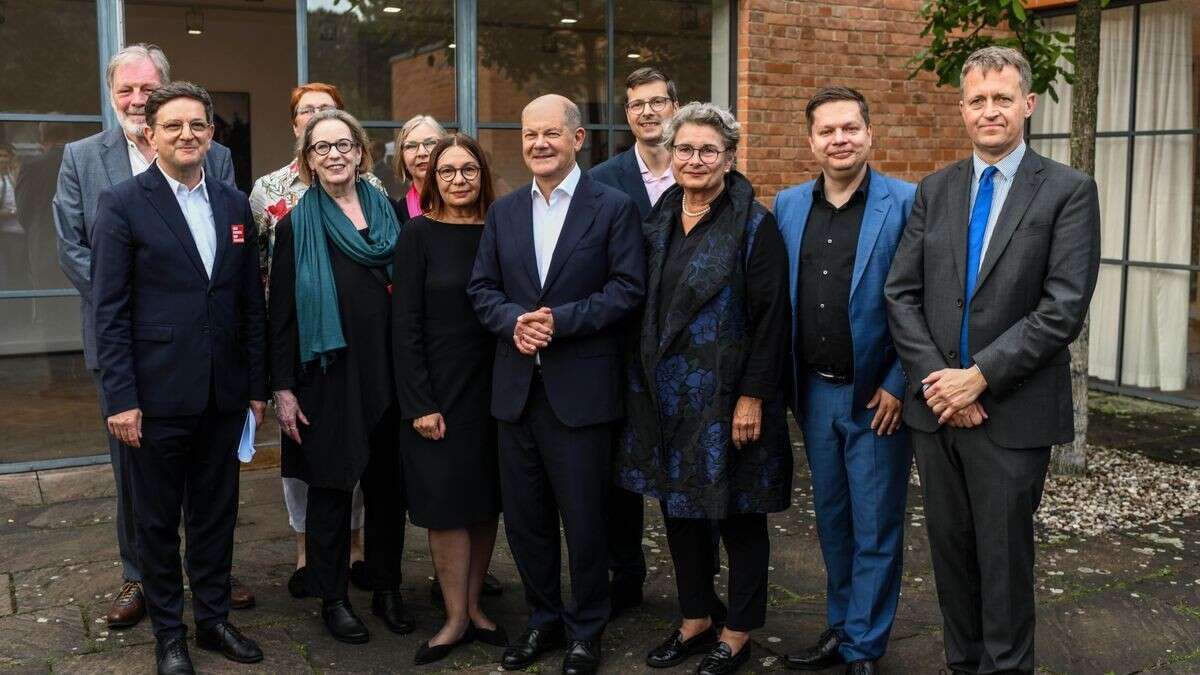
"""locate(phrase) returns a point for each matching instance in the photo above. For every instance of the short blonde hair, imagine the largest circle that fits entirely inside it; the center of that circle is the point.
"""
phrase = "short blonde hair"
(412, 123)
(357, 134)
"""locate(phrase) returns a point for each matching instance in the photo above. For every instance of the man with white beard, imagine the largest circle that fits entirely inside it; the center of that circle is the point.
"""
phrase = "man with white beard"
(89, 166)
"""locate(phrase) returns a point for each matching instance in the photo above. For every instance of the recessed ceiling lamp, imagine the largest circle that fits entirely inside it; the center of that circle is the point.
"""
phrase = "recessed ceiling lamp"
(391, 9)
(194, 21)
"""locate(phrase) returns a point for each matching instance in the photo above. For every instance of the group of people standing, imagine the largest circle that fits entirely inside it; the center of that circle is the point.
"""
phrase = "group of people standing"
(562, 352)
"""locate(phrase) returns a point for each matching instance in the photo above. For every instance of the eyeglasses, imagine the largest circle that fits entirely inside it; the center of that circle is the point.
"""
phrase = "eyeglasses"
(175, 127)
(428, 144)
(657, 104)
(343, 145)
(708, 153)
(311, 109)
(447, 173)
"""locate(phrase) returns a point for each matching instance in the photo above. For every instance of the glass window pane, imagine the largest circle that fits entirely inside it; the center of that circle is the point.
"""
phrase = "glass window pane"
(1161, 220)
(1166, 81)
(1111, 170)
(391, 60)
(1050, 116)
(50, 57)
(503, 148)
(1158, 308)
(30, 156)
(533, 47)
(42, 376)
(675, 36)
(1103, 320)
(1116, 68)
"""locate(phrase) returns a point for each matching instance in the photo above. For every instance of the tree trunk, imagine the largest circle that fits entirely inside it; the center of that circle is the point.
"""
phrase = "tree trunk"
(1072, 458)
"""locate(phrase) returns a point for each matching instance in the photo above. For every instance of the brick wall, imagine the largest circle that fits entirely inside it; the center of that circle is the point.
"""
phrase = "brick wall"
(787, 48)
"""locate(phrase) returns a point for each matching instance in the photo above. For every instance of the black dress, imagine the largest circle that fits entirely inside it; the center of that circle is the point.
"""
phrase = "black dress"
(443, 362)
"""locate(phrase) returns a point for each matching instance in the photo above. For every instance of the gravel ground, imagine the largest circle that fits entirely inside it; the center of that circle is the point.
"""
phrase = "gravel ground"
(1121, 490)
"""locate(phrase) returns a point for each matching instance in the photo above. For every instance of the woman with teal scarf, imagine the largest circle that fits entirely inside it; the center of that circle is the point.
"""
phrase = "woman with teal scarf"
(331, 369)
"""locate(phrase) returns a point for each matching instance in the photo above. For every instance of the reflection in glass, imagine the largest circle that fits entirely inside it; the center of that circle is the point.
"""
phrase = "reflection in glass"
(533, 47)
(30, 156)
(389, 65)
(48, 57)
(503, 148)
(675, 36)
(51, 396)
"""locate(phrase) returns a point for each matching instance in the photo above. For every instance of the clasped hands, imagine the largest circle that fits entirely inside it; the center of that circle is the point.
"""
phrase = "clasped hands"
(533, 331)
(952, 394)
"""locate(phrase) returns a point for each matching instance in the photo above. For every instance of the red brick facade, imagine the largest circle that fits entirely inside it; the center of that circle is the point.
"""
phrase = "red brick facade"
(788, 48)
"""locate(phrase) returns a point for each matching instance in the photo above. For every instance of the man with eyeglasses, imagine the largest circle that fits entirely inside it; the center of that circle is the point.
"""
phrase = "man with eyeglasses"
(89, 166)
(180, 337)
(644, 173)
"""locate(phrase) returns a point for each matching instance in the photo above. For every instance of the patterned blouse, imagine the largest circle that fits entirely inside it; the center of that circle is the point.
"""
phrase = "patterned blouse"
(273, 196)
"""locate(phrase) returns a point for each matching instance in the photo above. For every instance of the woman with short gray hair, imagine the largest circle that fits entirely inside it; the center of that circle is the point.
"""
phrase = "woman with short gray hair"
(706, 432)
(414, 143)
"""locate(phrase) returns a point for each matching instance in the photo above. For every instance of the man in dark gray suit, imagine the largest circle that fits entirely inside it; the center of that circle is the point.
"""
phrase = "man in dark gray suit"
(90, 166)
(990, 284)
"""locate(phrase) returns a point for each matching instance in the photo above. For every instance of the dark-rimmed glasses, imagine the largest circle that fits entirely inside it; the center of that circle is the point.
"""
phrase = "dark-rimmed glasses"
(447, 173)
(343, 145)
(175, 127)
(708, 153)
(657, 104)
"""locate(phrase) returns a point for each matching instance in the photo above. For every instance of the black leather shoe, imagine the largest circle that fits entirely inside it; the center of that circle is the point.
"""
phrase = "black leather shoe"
(389, 606)
(582, 658)
(224, 637)
(818, 657)
(624, 595)
(675, 650)
(429, 654)
(495, 637)
(721, 660)
(298, 583)
(173, 658)
(343, 624)
(533, 643)
(861, 668)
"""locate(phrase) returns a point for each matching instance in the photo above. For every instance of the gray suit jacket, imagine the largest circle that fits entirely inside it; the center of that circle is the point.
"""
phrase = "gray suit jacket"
(89, 166)
(1031, 296)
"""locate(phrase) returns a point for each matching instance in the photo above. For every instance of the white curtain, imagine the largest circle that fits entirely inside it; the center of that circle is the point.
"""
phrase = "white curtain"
(1156, 310)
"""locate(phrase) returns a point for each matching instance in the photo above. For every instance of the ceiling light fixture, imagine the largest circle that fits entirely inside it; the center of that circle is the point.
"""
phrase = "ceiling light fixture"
(194, 21)
(390, 9)
(633, 55)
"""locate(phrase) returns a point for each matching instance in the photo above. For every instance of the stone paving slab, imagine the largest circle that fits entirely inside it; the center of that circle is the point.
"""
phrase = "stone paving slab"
(71, 514)
(88, 482)
(19, 489)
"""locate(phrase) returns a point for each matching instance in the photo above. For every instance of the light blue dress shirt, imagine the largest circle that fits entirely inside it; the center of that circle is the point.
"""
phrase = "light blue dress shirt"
(1006, 170)
(199, 216)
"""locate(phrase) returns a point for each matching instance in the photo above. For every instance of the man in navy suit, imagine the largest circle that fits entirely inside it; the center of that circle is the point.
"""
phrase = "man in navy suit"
(642, 172)
(841, 232)
(560, 266)
(180, 341)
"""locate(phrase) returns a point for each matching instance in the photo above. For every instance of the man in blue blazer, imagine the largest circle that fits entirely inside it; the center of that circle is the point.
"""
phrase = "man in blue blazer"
(560, 267)
(642, 172)
(180, 325)
(841, 231)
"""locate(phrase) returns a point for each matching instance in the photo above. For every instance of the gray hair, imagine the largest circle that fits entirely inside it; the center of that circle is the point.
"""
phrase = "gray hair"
(174, 90)
(137, 52)
(357, 134)
(572, 118)
(707, 114)
(412, 123)
(996, 58)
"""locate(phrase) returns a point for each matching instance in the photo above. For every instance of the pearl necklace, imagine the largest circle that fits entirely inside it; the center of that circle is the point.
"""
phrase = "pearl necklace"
(696, 214)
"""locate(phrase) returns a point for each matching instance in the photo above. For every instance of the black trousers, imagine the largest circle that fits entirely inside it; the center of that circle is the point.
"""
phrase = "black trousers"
(187, 462)
(327, 537)
(749, 549)
(626, 515)
(118, 452)
(979, 505)
(550, 471)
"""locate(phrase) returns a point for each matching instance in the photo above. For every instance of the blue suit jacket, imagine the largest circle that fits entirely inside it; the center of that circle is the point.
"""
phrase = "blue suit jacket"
(165, 332)
(889, 201)
(596, 280)
(623, 173)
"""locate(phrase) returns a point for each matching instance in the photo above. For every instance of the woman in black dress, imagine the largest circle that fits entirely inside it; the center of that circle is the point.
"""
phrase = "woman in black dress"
(443, 380)
(331, 356)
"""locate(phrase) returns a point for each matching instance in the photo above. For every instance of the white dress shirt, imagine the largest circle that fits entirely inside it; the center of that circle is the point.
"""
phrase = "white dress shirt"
(548, 219)
(1006, 170)
(199, 216)
(137, 161)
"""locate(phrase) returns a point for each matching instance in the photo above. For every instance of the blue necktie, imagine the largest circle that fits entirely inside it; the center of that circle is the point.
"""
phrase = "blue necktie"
(975, 231)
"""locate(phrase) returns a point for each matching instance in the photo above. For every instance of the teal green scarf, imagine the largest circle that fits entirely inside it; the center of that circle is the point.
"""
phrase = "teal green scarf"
(315, 218)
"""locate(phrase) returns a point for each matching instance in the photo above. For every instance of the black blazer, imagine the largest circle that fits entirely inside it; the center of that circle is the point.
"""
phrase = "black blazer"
(166, 334)
(623, 173)
(597, 279)
(1033, 291)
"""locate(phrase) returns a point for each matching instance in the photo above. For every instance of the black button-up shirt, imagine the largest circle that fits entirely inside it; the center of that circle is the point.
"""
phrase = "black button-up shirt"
(826, 265)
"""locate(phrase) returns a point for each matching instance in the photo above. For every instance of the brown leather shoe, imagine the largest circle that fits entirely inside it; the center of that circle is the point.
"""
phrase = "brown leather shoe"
(240, 597)
(128, 607)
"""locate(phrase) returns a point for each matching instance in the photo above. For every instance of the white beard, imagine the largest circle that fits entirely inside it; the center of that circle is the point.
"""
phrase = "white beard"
(133, 129)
